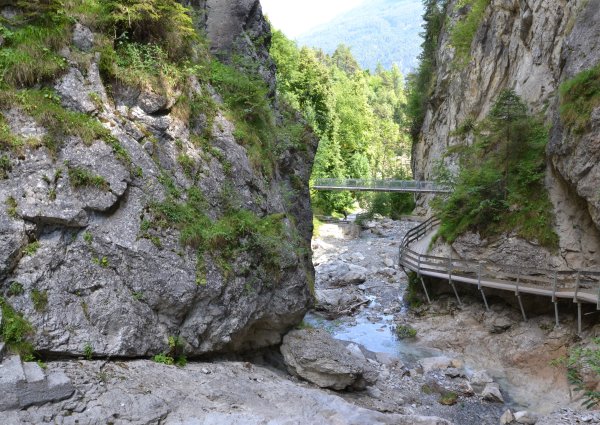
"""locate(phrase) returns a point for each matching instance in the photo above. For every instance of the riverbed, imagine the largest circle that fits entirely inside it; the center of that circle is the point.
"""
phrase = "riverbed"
(518, 359)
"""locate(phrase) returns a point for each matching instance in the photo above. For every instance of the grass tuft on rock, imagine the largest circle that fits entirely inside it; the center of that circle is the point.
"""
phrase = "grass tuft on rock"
(15, 330)
(579, 96)
(463, 31)
(81, 177)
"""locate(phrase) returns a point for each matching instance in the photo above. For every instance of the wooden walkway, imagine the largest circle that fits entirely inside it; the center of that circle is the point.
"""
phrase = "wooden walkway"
(581, 286)
(362, 185)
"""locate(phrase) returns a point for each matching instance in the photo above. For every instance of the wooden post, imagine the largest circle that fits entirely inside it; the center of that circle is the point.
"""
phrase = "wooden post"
(578, 318)
(487, 307)
(518, 294)
(450, 279)
(578, 282)
(424, 288)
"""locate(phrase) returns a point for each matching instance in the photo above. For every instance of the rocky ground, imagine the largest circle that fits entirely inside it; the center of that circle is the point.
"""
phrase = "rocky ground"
(466, 365)
(346, 365)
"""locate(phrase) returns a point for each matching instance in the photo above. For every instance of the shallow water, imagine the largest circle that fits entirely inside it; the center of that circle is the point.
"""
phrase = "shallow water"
(377, 336)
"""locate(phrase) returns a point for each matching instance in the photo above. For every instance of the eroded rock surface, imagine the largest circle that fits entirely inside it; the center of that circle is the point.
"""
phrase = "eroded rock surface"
(532, 47)
(314, 355)
(235, 393)
(114, 281)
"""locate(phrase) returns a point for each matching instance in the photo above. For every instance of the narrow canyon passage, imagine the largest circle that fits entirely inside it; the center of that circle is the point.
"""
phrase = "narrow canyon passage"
(360, 298)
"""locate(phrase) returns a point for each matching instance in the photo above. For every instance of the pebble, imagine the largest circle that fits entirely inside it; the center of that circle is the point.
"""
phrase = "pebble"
(492, 393)
(506, 418)
(525, 417)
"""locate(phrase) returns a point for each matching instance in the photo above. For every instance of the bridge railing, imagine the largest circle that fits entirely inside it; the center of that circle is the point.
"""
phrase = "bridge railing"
(579, 285)
(380, 185)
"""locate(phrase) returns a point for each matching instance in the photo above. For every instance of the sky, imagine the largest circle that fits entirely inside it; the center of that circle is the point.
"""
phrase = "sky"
(295, 17)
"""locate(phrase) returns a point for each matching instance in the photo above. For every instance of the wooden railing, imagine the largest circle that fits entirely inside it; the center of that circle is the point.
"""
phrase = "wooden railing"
(578, 285)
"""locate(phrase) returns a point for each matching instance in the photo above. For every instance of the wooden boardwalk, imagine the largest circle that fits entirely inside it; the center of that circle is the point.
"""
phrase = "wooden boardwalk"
(362, 185)
(580, 286)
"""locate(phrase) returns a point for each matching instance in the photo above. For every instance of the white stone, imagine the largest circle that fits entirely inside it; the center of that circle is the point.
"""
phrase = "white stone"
(435, 363)
(491, 392)
(525, 417)
(507, 417)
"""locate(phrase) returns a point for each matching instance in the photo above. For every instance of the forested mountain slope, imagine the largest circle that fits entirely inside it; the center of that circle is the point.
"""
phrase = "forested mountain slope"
(378, 31)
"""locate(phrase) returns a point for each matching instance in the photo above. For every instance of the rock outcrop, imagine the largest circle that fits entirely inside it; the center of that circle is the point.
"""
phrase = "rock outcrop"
(143, 392)
(314, 355)
(26, 384)
(93, 272)
(531, 46)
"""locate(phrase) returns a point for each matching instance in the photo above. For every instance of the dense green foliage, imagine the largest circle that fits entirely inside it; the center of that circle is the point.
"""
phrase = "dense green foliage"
(420, 84)
(579, 96)
(237, 231)
(500, 186)
(463, 31)
(15, 330)
(358, 116)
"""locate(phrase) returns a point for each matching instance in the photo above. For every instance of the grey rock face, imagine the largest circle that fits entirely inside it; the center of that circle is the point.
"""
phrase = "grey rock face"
(532, 47)
(222, 393)
(430, 364)
(314, 355)
(123, 289)
(26, 384)
(83, 38)
(525, 417)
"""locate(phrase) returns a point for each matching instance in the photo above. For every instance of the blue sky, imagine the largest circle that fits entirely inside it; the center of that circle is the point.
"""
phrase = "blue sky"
(295, 17)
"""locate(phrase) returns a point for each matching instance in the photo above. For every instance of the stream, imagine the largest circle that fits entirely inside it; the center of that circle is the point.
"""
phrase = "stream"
(373, 326)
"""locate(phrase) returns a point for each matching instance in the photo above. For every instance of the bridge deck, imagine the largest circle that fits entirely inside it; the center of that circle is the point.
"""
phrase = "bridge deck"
(363, 185)
(581, 286)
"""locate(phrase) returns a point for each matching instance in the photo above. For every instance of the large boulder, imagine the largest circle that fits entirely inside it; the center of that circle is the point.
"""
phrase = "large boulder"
(316, 356)
(100, 270)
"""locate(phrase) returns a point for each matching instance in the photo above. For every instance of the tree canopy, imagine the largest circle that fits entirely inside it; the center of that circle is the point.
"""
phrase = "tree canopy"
(358, 116)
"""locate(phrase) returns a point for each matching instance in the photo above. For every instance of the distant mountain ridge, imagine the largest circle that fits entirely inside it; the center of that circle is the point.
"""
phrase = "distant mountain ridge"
(378, 31)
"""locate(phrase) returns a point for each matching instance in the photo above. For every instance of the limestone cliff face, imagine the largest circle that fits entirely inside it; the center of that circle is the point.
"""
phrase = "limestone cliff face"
(531, 46)
(117, 287)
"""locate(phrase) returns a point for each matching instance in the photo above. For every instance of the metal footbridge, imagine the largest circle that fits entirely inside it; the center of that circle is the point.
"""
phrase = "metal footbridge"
(365, 185)
(580, 286)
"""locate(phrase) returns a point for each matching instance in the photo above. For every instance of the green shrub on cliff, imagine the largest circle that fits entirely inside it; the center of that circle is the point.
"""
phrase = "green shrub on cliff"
(236, 231)
(463, 31)
(29, 54)
(165, 23)
(579, 96)
(500, 186)
(583, 371)
(15, 330)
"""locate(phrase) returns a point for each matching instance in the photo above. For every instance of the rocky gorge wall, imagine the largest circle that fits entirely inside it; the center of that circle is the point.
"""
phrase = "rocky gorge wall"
(531, 46)
(83, 255)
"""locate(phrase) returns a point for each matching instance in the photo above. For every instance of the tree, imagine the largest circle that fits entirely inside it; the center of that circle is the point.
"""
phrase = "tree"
(506, 116)
(343, 59)
(422, 82)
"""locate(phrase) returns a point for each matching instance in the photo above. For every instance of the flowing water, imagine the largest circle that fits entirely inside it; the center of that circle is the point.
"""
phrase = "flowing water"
(374, 329)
